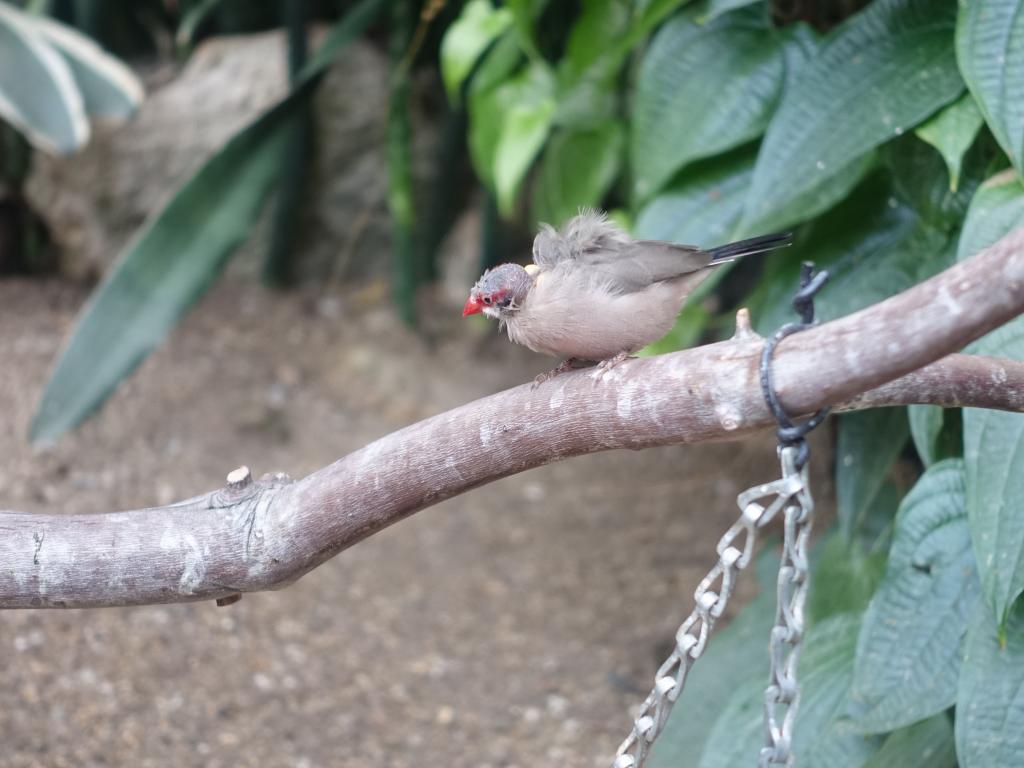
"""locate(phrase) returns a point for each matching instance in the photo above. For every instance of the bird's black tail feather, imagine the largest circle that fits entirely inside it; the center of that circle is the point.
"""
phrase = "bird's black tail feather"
(742, 248)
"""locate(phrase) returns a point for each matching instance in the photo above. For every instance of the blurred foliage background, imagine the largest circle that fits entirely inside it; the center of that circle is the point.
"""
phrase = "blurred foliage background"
(889, 135)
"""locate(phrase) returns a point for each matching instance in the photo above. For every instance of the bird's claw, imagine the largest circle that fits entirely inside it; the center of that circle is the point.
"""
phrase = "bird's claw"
(565, 365)
(606, 365)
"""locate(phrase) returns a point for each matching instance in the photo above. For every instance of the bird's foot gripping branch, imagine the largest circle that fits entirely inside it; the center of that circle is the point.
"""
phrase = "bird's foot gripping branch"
(896, 352)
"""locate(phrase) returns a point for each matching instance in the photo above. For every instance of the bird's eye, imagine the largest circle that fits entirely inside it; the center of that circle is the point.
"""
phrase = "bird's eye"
(487, 300)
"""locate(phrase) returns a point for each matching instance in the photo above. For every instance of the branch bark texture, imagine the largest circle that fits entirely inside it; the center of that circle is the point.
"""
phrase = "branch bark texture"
(255, 535)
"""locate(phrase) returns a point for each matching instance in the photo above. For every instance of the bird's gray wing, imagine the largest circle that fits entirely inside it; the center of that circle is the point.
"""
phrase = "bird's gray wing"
(632, 266)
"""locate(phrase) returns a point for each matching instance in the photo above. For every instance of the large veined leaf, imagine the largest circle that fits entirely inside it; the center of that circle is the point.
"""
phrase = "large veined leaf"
(920, 178)
(869, 442)
(734, 657)
(877, 75)
(38, 94)
(577, 170)
(825, 671)
(951, 132)
(522, 137)
(178, 255)
(988, 35)
(110, 89)
(587, 75)
(993, 440)
(845, 575)
(702, 90)
(477, 27)
(702, 206)
(600, 24)
(873, 246)
(910, 644)
(509, 122)
(927, 744)
(712, 9)
(990, 700)
(937, 432)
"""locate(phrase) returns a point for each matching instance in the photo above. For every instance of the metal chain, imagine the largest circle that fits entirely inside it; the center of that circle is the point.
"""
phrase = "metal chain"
(735, 549)
(793, 495)
(783, 691)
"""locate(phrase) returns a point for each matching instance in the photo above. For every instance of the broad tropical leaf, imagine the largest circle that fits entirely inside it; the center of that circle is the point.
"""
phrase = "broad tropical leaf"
(577, 169)
(877, 75)
(825, 672)
(910, 644)
(951, 132)
(990, 700)
(38, 94)
(869, 442)
(702, 90)
(988, 35)
(477, 27)
(993, 440)
(927, 744)
(178, 255)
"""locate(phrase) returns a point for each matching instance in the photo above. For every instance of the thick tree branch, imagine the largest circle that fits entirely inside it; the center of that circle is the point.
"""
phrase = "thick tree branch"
(263, 535)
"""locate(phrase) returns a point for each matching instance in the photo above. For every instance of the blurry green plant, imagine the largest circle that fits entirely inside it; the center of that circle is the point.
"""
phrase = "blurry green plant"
(882, 140)
(888, 134)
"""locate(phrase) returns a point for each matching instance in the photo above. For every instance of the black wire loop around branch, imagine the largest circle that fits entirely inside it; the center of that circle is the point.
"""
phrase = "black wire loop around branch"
(790, 433)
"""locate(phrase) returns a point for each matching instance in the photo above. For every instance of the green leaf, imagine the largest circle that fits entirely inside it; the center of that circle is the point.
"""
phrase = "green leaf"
(700, 207)
(927, 744)
(873, 245)
(110, 89)
(825, 671)
(465, 41)
(952, 131)
(934, 438)
(38, 94)
(193, 18)
(908, 653)
(840, 746)
(844, 577)
(990, 700)
(734, 656)
(588, 88)
(600, 25)
(869, 442)
(509, 122)
(703, 204)
(178, 255)
(993, 440)
(577, 170)
(921, 179)
(524, 15)
(687, 331)
(877, 75)
(988, 49)
(525, 130)
(996, 209)
(712, 9)
(700, 91)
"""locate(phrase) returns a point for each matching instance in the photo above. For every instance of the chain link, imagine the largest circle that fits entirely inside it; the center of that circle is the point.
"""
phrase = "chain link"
(759, 505)
(783, 691)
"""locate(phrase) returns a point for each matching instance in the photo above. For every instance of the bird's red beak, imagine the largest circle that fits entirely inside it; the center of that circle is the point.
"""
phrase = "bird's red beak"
(473, 306)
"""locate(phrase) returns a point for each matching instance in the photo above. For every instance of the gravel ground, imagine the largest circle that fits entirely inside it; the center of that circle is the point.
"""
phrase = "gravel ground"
(513, 626)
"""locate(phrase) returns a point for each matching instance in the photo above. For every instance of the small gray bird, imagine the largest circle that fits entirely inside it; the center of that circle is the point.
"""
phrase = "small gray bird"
(595, 294)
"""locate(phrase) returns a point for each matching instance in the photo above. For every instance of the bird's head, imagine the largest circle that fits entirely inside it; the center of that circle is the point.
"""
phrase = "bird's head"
(500, 292)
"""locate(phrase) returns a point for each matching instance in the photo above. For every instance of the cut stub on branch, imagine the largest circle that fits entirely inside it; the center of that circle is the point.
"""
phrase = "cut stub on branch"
(256, 535)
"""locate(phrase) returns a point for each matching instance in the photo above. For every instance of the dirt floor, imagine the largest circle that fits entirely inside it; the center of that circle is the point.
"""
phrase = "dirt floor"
(474, 634)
